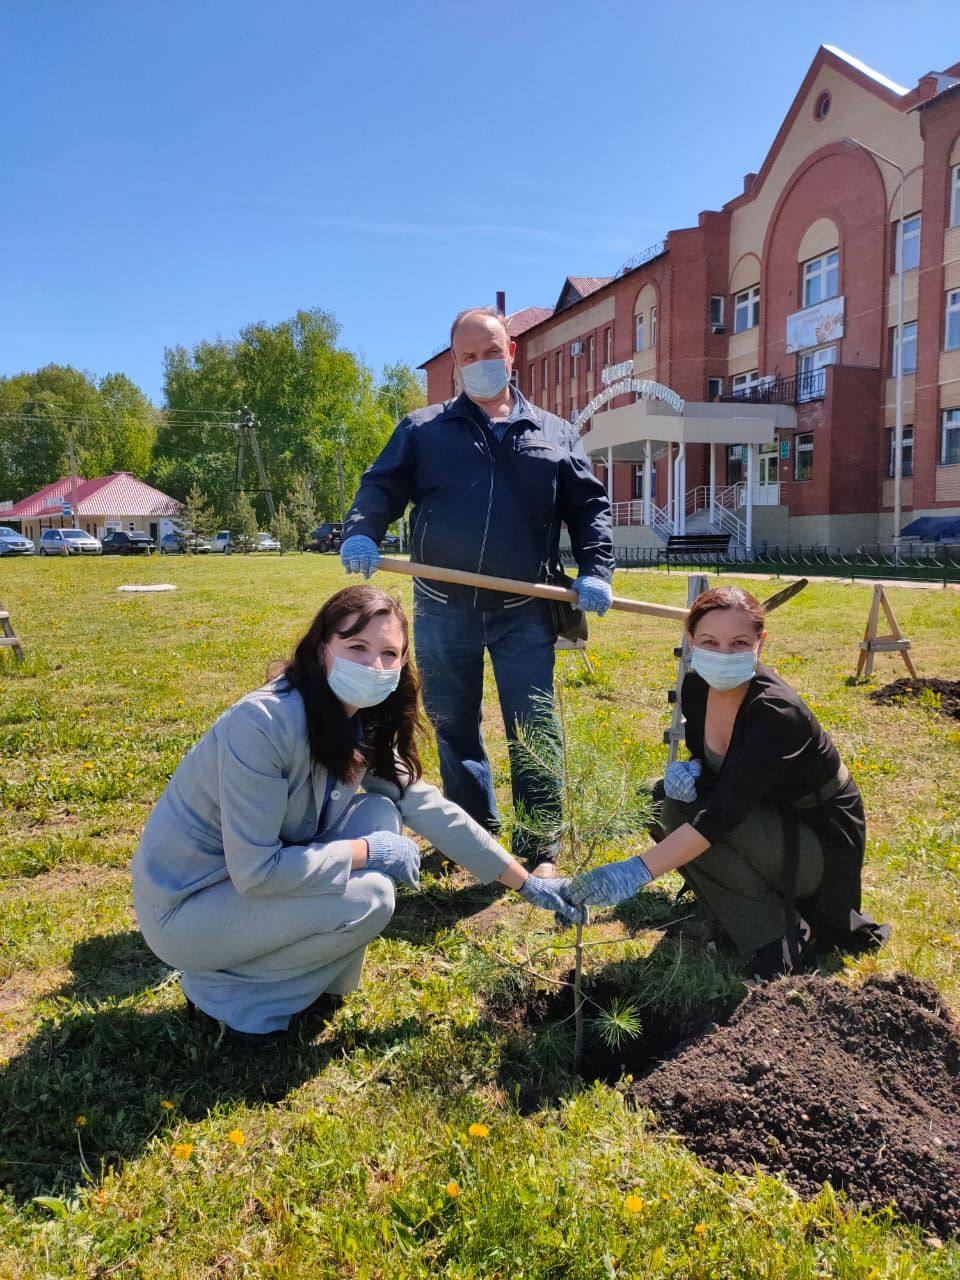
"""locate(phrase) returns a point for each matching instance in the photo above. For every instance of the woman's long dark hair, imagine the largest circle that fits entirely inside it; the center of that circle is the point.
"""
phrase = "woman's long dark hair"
(389, 730)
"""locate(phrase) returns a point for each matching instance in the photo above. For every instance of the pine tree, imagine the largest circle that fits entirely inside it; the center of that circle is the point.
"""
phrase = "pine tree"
(196, 518)
(284, 529)
(302, 509)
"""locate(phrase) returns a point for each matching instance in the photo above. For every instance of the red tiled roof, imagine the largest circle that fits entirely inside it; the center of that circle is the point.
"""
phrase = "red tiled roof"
(588, 284)
(120, 494)
(520, 321)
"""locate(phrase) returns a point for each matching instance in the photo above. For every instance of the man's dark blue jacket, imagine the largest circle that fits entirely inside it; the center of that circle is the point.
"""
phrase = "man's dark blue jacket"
(483, 504)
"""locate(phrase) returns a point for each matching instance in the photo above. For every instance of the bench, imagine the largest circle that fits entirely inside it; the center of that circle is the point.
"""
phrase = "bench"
(689, 548)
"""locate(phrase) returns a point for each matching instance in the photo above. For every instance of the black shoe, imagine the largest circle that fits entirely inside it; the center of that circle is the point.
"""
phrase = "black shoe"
(242, 1039)
(324, 1007)
(773, 960)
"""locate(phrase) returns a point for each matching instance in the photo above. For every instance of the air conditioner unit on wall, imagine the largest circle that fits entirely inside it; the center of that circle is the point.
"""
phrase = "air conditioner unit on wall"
(576, 348)
(719, 328)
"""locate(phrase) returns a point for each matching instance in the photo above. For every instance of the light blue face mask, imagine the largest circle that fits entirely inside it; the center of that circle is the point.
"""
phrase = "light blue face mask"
(359, 686)
(484, 379)
(724, 670)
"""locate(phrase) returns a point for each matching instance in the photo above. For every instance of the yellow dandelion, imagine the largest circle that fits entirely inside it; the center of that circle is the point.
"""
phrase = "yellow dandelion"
(657, 1256)
(479, 1131)
(237, 1137)
(664, 1195)
(88, 764)
(633, 1204)
(453, 1189)
(700, 1229)
(183, 1150)
(80, 1121)
(166, 1104)
(41, 777)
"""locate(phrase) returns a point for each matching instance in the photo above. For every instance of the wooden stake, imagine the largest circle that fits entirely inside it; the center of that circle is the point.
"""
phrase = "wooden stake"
(871, 643)
(9, 640)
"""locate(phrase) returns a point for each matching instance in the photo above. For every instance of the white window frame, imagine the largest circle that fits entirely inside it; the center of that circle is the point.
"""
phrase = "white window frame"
(802, 445)
(817, 273)
(653, 326)
(951, 323)
(955, 196)
(746, 309)
(745, 381)
(908, 243)
(906, 452)
(638, 331)
(909, 345)
(533, 377)
(608, 346)
(590, 346)
(714, 395)
(810, 363)
(717, 309)
(558, 368)
(949, 454)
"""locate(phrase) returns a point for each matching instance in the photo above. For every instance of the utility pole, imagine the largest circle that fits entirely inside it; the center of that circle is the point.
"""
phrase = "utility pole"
(247, 430)
(72, 455)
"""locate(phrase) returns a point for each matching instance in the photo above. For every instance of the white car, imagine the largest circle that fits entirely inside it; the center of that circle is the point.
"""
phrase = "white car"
(69, 542)
(267, 542)
(13, 543)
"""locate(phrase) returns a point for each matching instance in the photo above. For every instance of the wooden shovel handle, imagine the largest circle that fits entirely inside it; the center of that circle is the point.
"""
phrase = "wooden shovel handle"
(510, 586)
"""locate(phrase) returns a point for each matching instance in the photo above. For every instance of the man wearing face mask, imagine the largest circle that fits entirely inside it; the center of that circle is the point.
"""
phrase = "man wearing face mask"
(492, 479)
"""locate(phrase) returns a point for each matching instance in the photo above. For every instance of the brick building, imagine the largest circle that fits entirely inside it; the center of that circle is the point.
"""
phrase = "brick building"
(780, 311)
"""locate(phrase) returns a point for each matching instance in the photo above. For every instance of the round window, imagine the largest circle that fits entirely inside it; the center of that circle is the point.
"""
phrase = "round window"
(821, 106)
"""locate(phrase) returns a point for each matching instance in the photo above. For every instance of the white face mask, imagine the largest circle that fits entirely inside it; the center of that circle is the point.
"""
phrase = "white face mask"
(484, 379)
(359, 686)
(724, 670)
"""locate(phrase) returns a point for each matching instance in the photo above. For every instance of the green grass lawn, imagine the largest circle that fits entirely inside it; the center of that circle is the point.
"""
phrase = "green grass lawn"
(434, 1129)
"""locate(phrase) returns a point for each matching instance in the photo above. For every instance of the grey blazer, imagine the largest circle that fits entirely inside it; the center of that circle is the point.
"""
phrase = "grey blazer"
(245, 804)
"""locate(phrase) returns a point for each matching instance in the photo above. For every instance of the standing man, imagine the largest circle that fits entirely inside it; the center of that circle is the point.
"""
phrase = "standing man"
(491, 478)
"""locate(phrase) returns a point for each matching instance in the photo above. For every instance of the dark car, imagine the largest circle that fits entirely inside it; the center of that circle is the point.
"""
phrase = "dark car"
(326, 538)
(120, 543)
(390, 542)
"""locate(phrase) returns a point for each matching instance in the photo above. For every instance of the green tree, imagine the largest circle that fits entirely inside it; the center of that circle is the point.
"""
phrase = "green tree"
(401, 390)
(284, 529)
(303, 511)
(196, 517)
(242, 523)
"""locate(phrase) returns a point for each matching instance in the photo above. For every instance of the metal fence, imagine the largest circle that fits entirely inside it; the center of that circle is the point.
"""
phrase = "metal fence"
(922, 562)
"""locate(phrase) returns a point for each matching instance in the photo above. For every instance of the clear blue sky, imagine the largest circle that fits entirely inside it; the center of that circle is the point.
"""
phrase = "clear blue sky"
(174, 169)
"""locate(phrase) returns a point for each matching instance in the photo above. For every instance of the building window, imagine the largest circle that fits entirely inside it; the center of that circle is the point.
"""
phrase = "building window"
(558, 359)
(955, 197)
(909, 349)
(811, 379)
(908, 244)
(714, 388)
(950, 438)
(716, 312)
(533, 379)
(951, 335)
(821, 278)
(590, 354)
(822, 106)
(746, 309)
(743, 383)
(608, 346)
(803, 457)
(638, 338)
(906, 452)
(653, 326)
(736, 468)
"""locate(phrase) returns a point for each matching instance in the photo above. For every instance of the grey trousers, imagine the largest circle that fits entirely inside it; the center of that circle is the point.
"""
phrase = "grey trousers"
(253, 962)
(740, 879)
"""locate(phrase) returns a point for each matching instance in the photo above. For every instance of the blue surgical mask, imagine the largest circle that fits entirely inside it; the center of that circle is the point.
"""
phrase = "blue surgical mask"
(724, 670)
(359, 686)
(484, 379)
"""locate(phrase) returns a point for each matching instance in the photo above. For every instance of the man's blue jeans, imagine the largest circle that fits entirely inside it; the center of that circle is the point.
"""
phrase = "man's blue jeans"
(450, 640)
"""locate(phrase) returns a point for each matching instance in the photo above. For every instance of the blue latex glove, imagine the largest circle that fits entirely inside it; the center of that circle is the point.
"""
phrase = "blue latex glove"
(552, 896)
(396, 856)
(606, 886)
(594, 594)
(360, 554)
(680, 780)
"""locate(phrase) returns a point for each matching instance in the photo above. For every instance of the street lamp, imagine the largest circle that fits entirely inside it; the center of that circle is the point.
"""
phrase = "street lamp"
(898, 365)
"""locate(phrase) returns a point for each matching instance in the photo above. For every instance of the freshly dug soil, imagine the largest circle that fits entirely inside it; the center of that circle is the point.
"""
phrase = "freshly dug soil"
(900, 690)
(823, 1082)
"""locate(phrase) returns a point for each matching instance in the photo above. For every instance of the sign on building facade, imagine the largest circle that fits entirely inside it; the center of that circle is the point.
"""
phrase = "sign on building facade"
(815, 326)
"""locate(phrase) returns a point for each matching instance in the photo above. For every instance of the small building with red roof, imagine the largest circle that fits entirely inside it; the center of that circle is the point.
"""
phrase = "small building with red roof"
(118, 501)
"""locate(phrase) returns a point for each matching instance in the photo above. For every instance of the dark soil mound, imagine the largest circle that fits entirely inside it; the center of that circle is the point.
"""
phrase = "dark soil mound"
(901, 690)
(856, 1086)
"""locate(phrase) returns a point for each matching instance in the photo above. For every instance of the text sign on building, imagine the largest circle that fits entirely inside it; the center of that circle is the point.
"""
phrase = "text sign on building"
(614, 372)
(814, 326)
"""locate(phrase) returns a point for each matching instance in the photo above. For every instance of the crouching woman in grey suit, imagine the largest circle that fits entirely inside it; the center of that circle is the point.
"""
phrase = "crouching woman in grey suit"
(271, 859)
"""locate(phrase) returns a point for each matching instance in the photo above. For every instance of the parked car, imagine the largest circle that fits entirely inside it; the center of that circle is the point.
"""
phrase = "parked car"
(224, 541)
(68, 542)
(326, 538)
(14, 544)
(178, 544)
(267, 542)
(390, 542)
(118, 542)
